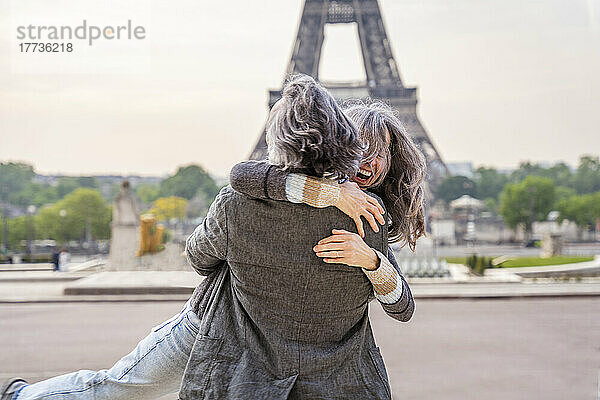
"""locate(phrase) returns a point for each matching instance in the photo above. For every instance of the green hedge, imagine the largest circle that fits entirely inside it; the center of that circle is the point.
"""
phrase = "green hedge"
(527, 261)
(537, 261)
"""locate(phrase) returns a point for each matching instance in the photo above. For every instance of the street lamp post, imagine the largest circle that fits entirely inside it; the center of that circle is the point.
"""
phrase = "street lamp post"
(63, 234)
(5, 221)
(30, 211)
(5, 217)
(88, 236)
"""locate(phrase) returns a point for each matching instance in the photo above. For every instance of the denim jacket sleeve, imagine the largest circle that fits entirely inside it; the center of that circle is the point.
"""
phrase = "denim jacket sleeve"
(206, 247)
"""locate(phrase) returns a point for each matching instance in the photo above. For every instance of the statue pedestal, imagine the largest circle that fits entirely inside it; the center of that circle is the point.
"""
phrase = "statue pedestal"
(125, 236)
(552, 245)
(123, 247)
(172, 258)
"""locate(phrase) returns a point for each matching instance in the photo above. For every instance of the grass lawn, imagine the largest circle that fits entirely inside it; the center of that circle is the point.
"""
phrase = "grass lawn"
(455, 260)
(529, 261)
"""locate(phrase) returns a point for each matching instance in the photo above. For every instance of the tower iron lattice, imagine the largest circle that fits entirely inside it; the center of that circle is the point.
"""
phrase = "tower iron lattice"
(383, 81)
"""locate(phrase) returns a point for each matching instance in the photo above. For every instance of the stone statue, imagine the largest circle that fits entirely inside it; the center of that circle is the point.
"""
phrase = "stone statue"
(125, 210)
(136, 242)
(124, 231)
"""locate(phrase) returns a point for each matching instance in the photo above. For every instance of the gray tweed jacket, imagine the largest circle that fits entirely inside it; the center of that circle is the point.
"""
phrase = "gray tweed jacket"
(270, 329)
(261, 180)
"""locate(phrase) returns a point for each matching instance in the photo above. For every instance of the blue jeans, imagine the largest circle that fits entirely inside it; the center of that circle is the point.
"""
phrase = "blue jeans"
(153, 369)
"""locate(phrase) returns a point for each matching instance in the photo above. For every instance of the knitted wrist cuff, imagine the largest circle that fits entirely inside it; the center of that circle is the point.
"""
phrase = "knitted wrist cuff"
(386, 281)
(316, 192)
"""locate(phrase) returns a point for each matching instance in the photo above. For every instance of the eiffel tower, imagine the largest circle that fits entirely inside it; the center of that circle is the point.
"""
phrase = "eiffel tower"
(383, 79)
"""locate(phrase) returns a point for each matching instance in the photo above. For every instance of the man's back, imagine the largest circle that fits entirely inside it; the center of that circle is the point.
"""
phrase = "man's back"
(284, 321)
(282, 284)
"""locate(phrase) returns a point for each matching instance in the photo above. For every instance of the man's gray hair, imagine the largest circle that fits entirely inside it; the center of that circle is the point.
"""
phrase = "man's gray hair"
(308, 132)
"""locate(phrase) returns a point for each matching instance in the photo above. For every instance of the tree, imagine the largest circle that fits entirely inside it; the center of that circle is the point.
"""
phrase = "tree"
(166, 208)
(18, 231)
(147, 193)
(527, 201)
(526, 169)
(34, 193)
(187, 182)
(489, 183)
(86, 182)
(50, 224)
(87, 206)
(66, 185)
(561, 174)
(453, 187)
(69, 218)
(491, 204)
(18, 188)
(587, 176)
(13, 178)
(584, 210)
(563, 193)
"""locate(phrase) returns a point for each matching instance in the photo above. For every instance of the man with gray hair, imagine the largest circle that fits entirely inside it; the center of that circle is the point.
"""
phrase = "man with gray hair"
(308, 131)
(278, 322)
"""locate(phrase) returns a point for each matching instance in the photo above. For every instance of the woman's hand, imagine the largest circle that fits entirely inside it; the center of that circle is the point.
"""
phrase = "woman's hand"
(355, 203)
(348, 248)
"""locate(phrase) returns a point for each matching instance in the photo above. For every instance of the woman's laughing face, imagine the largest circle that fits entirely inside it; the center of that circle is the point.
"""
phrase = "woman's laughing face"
(373, 169)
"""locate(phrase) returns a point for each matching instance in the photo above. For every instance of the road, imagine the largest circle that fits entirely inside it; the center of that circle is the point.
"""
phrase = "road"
(452, 349)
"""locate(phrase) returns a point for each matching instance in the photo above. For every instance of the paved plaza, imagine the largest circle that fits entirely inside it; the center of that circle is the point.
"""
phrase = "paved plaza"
(452, 349)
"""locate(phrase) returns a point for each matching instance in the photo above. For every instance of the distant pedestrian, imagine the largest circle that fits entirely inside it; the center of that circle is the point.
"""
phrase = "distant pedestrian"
(55, 257)
(63, 259)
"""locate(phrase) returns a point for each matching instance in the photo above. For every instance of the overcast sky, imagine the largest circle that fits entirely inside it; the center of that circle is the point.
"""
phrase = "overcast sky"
(500, 81)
